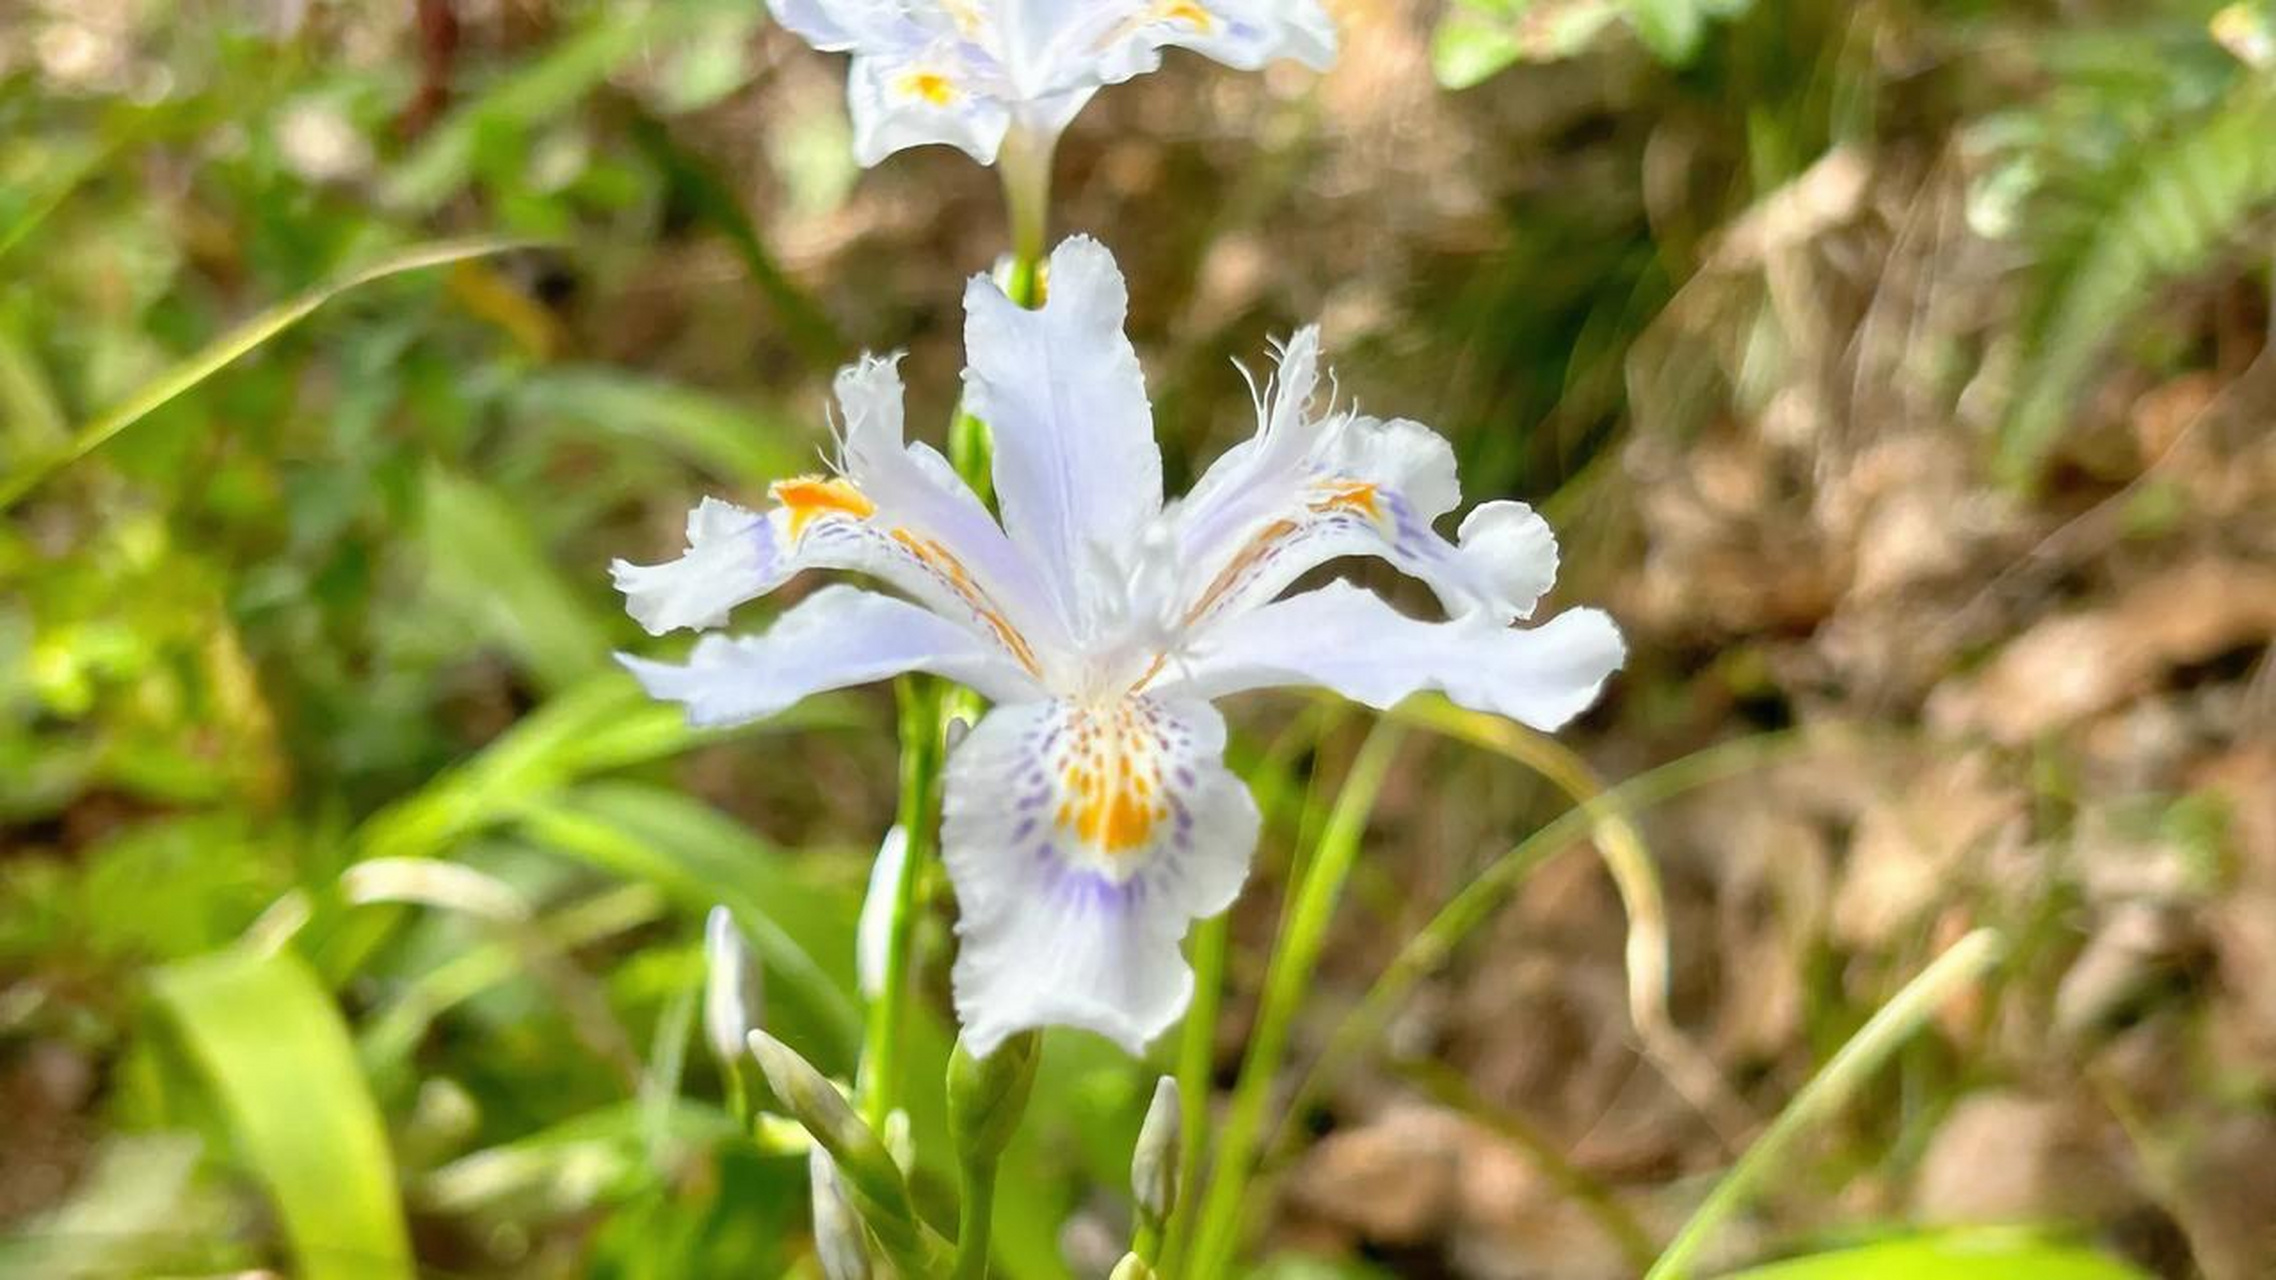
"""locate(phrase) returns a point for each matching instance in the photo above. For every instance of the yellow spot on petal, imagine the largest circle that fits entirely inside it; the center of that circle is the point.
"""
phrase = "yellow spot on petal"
(932, 86)
(1351, 495)
(1108, 797)
(809, 498)
(1188, 12)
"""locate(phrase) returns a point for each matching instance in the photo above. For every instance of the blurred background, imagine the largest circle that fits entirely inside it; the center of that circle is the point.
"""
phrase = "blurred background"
(1895, 371)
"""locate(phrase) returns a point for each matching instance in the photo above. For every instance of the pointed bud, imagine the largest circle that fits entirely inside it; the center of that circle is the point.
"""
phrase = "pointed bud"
(865, 1169)
(838, 1240)
(1132, 1267)
(733, 987)
(1154, 1161)
(873, 935)
(987, 1096)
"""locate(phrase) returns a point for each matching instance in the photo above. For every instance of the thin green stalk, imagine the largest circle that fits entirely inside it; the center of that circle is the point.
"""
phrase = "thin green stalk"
(1287, 980)
(1889, 1027)
(1476, 903)
(1025, 165)
(920, 805)
(1197, 1057)
(1633, 873)
(1197, 1041)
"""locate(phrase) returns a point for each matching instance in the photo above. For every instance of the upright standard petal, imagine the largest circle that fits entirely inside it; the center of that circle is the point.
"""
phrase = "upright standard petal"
(1354, 643)
(834, 639)
(1076, 467)
(1315, 485)
(1082, 842)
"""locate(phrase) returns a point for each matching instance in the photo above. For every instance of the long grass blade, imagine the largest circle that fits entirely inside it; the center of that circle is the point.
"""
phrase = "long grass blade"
(1851, 1065)
(232, 346)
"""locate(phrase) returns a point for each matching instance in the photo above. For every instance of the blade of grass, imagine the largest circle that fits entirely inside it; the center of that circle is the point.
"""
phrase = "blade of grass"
(1633, 873)
(1479, 899)
(276, 1053)
(231, 346)
(1272, 779)
(1851, 1065)
(1303, 933)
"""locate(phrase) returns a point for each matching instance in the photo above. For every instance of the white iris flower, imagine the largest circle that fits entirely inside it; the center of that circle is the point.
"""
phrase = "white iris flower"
(1089, 817)
(966, 72)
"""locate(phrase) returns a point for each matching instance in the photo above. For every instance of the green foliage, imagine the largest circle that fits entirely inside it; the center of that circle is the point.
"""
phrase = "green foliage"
(2158, 207)
(272, 1047)
(1478, 39)
(1965, 1255)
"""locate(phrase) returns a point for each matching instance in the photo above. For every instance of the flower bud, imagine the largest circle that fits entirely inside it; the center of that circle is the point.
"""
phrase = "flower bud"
(837, 1229)
(865, 1169)
(1154, 1164)
(1132, 1267)
(873, 933)
(734, 998)
(987, 1096)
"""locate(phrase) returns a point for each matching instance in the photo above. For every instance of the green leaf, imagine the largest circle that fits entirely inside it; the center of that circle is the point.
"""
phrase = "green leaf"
(1470, 48)
(485, 560)
(276, 1054)
(2172, 206)
(1669, 28)
(698, 856)
(1966, 1255)
(605, 723)
(1479, 38)
(747, 445)
(536, 94)
(223, 351)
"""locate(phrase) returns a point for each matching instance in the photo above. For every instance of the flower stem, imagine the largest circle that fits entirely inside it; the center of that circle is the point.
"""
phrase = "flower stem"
(1312, 905)
(921, 722)
(1025, 163)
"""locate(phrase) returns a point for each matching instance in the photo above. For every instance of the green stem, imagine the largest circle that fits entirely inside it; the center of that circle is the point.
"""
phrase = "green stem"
(1890, 1026)
(921, 711)
(1025, 164)
(1287, 981)
(975, 1216)
(1197, 1055)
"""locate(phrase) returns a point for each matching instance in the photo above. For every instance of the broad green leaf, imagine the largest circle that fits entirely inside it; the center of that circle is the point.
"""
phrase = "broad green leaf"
(485, 561)
(698, 856)
(276, 1054)
(604, 723)
(743, 445)
(1966, 1255)
(228, 348)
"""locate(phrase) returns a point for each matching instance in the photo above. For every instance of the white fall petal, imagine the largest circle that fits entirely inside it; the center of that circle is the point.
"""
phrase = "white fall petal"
(1082, 842)
(966, 72)
(1089, 818)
